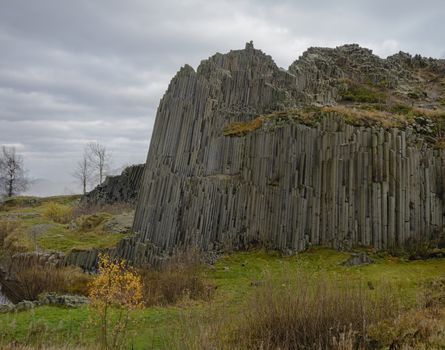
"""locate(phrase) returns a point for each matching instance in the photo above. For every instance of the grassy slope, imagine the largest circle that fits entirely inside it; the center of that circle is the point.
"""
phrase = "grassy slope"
(30, 211)
(232, 274)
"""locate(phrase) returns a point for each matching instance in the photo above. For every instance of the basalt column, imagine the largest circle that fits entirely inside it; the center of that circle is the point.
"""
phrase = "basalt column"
(286, 186)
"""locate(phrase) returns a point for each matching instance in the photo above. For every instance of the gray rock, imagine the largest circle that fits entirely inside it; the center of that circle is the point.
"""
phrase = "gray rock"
(25, 305)
(358, 259)
(120, 223)
(290, 186)
(70, 301)
(121, 188)
(6, 308)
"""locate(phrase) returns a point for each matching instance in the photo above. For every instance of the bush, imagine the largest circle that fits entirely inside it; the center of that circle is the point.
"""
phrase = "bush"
(181, 277)
(307, 312)
(31, 281)
(114, 292)
(59, 213)
(362, 94)
(312, 314)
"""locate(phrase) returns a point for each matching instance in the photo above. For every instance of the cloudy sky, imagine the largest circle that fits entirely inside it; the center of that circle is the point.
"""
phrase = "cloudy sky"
(72, 72)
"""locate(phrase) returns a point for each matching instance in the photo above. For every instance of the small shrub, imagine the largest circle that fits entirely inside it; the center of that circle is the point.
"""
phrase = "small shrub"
(303, 315)
(180, 278)
(362, 94)
(400, 109)
(115, 291)
(31, 281)
(90, 222)
(308, 312)
(59, 213)
(415, 329)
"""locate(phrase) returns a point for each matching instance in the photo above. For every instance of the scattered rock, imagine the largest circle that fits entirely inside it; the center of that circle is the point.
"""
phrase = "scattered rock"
(358, 259)
(25, 305)
(70, 301)
(6, 308)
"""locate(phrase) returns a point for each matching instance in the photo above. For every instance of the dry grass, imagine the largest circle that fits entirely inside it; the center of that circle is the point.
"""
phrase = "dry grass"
(13, 238)
(7, 227)
(387, 115)
(422, 327)
(242, 128)
(59, 213)
(180, 279)
(44, 347)
(316, 314)
(113, 209)
(32, 281)
(308, 312)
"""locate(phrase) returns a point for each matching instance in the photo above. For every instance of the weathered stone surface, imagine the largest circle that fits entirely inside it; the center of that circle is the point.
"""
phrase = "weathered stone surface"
(70, 301)
(358, 259)
(121, 223)
(287, 186)
(121, 188)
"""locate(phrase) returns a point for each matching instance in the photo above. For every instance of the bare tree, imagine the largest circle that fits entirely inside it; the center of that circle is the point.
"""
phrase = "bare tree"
(99, 158)
(83, 172)
(12, 172)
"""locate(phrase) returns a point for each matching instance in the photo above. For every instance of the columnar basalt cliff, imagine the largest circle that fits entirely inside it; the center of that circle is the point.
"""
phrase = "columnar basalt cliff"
(246, 153)
(120, 188)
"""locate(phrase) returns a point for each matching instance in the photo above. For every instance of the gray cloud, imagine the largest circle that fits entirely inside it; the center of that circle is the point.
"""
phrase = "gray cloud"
(78, 71)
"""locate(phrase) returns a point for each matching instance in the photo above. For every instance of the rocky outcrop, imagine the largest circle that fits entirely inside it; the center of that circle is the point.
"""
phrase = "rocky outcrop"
(68, 301)
(285, 184)
(117, 189)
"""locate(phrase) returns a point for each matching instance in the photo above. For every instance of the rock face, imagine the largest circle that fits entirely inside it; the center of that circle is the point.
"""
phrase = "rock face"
(283, 184)
(121, 188)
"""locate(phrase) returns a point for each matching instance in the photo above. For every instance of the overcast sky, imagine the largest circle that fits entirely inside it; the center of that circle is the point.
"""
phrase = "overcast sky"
(73, 72)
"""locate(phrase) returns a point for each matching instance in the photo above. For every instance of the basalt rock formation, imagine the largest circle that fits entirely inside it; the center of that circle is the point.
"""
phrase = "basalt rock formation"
(117, 189)
(342, 149)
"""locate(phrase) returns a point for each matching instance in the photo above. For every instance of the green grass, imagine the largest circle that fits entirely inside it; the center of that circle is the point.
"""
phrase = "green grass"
(363, 94)
(32, 211)
(232, 275)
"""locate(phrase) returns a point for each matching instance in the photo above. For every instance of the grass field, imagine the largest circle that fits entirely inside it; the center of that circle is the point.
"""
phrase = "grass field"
(234, 277)
(44, 224)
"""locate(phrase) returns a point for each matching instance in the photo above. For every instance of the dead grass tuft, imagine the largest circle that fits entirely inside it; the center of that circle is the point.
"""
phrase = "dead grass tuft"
(31, 281)
(181, 278)
(59, 213)
(242, 128)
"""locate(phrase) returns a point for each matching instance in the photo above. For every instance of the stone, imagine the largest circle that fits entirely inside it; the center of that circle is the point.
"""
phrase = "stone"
(116, 189)
(70, 301)
(25, 305)
(286, 185)
(6, 308)
(121, 223)
(358, 259)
